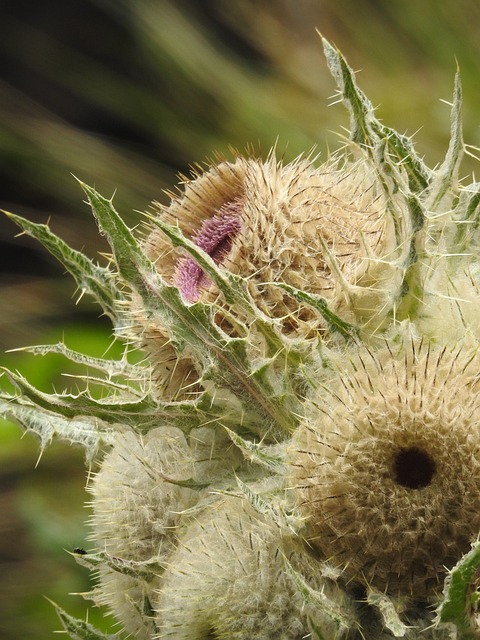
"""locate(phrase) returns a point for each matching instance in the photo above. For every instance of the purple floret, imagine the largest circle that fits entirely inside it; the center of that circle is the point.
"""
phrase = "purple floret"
(215, 237)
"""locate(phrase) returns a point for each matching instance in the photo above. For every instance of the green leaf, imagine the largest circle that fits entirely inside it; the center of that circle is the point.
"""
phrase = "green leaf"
(110, 410)
(467, 218)
(97, 281)
(228, 284)
(316, 630)
(234, 290)
(79, 629)
(258, 453)
(335, 323)
(368, 132)
(91, 434)
(401, 172)
(146, 570)
(132, 263)
(460, 597)
(275, 514)
(143, 414)
(111, 368)
(446, 176)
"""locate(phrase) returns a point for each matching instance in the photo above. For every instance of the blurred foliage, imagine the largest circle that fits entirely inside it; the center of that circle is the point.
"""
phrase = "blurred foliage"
(125, 94)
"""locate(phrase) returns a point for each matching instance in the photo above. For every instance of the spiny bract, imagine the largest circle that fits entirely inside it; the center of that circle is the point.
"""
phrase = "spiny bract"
(298, 454)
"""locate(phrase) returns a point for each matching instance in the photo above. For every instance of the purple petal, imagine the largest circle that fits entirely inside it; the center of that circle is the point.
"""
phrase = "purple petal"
(215, 237)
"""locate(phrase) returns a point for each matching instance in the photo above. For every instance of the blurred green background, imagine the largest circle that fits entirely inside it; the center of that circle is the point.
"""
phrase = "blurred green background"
(124, 95)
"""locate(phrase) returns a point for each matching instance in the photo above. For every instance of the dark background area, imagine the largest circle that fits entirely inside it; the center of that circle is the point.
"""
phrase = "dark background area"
(125, 95)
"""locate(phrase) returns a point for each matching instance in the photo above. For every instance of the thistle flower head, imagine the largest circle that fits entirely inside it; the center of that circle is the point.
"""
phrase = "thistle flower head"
(271, 223)
(320, 230)
(306, 419)
(387, 465)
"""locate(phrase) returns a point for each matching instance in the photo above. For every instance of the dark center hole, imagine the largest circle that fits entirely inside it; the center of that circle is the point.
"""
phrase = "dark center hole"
(413, 468)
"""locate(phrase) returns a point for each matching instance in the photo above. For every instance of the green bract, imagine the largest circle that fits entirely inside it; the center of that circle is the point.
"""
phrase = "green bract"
(298, 455)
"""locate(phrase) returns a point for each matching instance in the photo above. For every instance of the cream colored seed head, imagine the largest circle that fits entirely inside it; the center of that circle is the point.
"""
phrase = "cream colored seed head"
(387, 466)
(135, 513)
(228, 579)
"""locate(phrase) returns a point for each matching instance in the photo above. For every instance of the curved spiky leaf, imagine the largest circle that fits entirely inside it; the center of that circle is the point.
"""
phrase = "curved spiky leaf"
(467, 217)
(97, 281)
(317, 599)
(368, 132)
(146, 570)
(258, 453)
(112, 368)
(446, 176)
(92, 434)
(335, 323)
(272, 512)
(461, 599)
(80, 629)
(400, 171)
(233, 288)
(142, 414)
